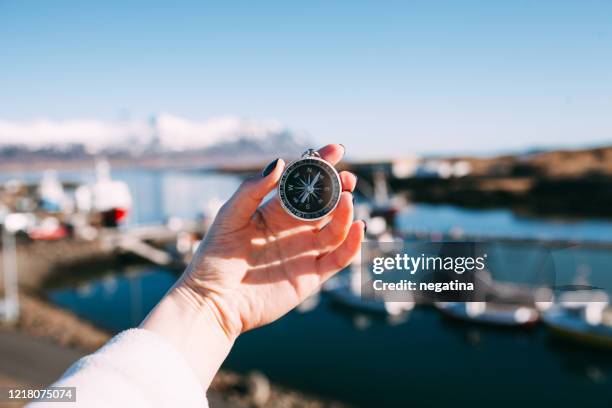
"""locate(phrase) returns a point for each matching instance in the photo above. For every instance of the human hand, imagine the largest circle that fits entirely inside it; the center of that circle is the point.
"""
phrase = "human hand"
(257, 262)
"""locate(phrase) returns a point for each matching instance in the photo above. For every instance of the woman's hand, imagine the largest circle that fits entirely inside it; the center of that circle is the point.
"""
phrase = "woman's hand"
(257, 262)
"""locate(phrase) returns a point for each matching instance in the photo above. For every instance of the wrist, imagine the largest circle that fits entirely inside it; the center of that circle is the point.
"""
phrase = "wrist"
(212, 302)
(189, 324)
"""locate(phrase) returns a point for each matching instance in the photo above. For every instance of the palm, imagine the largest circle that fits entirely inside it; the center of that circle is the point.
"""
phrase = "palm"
(257, 270)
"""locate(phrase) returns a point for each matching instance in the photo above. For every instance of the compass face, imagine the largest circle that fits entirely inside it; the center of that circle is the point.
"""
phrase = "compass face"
(309, 188)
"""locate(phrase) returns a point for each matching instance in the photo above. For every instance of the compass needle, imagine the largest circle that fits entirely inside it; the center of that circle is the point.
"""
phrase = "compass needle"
(315, 179)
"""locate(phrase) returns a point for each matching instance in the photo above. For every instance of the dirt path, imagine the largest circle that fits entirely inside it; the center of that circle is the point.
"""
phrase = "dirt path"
(28, 360)
(34, 362)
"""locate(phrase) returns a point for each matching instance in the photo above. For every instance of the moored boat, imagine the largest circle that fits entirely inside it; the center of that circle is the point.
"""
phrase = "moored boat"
(346, 291)
(110, 198)
(574, 327)
(504, 315)
(582, 318)
(343, 295)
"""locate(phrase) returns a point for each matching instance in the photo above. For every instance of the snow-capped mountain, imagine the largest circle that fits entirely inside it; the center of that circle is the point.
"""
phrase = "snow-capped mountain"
(161, 133)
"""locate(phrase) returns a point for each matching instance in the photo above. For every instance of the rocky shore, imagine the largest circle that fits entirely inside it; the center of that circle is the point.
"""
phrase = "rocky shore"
(567, 183)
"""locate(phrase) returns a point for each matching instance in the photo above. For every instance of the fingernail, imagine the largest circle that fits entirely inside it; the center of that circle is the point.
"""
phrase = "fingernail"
(343, 147)
(270, 167)
(365, 226)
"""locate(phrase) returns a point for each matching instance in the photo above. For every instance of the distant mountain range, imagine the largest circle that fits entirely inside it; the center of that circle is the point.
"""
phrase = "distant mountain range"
(163, 133)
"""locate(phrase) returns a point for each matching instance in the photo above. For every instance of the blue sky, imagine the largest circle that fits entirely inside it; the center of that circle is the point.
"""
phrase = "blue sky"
(380, 77)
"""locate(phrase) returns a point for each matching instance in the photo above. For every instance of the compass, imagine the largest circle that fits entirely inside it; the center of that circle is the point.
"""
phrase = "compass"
(309, 188)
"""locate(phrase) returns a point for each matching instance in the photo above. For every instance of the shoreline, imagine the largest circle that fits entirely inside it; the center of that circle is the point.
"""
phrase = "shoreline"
(568, 183)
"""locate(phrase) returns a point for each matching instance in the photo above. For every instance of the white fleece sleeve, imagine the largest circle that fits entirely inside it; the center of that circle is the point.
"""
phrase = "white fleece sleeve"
(136, 368)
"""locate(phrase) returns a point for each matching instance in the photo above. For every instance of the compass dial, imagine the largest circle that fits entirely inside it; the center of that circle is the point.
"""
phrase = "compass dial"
(309, 188)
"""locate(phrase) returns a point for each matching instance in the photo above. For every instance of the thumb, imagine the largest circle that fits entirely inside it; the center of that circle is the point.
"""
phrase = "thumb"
(242, 205)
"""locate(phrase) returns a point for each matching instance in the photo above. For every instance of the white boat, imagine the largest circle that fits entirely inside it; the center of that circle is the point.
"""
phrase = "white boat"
(583, 318)
(505, 315)
(51, 193)
(111, 198)
(346, 292)
(568, 324)
(344, 296)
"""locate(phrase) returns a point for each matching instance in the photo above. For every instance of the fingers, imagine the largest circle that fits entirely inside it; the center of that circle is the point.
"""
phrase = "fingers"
(332, 234)
(243, 204)
(349, 181)
(342, 256)
(332, 153)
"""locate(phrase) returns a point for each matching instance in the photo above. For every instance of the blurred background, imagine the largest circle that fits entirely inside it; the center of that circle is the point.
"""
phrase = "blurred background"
(125, 125)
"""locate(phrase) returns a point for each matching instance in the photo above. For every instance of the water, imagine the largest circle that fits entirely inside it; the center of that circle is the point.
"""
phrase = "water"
(424, 361)
(440, 218)
(117, 301)
(157, 194)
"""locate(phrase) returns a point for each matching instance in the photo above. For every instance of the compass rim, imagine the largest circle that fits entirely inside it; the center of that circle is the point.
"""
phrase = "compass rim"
(334, 172)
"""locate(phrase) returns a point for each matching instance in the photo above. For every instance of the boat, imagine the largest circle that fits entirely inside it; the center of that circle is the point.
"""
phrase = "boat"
(48, 229)
(344, 296)
(582, 318)
(382, 206)
(574, 326)
(495, 314)
(309, 304)
(110, 198)
(345, 291)
(51, 193)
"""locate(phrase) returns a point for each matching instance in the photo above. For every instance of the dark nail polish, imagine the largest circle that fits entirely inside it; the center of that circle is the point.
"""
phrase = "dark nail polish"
(365, 226)
(270, 167)
(343, 147)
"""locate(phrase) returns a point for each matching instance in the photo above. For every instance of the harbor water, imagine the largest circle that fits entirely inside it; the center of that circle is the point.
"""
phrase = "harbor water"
(370, 361)
(421, 360)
